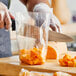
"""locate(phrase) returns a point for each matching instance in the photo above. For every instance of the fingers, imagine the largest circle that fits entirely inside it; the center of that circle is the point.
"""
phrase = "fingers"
(55, 28)
(1, 21)
(59, 28)
(7, 20)
(56, 24)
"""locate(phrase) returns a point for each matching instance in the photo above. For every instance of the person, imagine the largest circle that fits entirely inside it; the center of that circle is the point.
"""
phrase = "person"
(5, 24)
(5, 21)
(42, 6)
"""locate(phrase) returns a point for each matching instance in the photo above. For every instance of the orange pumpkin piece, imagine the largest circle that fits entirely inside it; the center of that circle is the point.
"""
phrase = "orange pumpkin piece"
(55, 74)
(61, 74)
(33, 56)
(51, 53)
(67, 58)
(62, 63)
(55, 49)
(67, 61)
(70, 64)
(74, 62)
(75, 57)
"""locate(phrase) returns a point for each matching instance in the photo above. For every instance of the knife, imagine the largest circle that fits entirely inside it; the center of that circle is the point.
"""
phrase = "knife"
(5, 43)
(59, 37)
(34, 32)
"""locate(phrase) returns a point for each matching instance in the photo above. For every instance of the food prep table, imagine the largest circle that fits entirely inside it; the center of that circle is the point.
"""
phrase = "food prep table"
(11, 66)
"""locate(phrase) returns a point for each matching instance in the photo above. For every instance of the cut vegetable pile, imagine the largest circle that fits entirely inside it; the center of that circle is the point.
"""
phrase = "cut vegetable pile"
(33, 56)
(68, 61)
(37, 56)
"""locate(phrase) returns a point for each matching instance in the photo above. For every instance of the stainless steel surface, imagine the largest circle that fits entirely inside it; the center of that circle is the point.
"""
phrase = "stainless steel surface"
(5, 44)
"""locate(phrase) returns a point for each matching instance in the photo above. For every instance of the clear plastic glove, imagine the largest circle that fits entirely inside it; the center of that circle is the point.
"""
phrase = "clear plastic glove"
(44, 9)
(5, 21)
(55, 24)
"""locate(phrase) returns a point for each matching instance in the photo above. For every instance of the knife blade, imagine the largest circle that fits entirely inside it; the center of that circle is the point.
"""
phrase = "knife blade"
(59, 37)
(34, 32)
(5, 43)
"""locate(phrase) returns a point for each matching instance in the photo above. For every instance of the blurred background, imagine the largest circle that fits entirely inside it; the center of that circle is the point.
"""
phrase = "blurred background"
(69, 28)
(16, 6)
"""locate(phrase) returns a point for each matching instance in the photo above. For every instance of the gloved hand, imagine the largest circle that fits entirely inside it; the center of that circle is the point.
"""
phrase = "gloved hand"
(40, 18)
(5, 21)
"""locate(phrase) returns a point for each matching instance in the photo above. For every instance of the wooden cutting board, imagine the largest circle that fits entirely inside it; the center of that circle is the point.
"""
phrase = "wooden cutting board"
(11, 66)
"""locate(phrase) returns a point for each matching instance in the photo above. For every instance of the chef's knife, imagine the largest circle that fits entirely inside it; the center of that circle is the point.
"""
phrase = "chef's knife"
(54, 36)
(33, 31)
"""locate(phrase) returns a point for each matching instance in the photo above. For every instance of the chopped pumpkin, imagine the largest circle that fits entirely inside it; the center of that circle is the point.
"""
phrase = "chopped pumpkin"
(33, 56)
(61, 74)
(68, 61)
(75, 57)
(55, 74)
(62, 63)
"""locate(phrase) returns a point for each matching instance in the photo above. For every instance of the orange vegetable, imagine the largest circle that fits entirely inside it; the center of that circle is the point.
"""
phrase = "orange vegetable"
(32, 56)
(67, 58)
(54, 49)
(55, 74)
(74, 62)
(67, 61)
(51, 53)
(62, 63)
(75, 57)
(61, 74)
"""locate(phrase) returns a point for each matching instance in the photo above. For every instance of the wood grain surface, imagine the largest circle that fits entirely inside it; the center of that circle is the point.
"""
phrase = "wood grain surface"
(12, 66)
